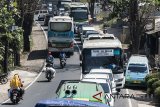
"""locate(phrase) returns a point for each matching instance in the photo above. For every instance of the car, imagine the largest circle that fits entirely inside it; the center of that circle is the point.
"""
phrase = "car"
(68, 103)
(91, 32)
(99, 76)
(80, 90)
(84, 30)
(47, 18)
(42, 14)
(93, 36)
(105, 71)
(136, 70)
(107, 89)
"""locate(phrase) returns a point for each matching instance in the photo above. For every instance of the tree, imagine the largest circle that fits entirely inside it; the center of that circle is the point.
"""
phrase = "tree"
(91, 6)
(7, 13)
(26, 9)
(140, 14)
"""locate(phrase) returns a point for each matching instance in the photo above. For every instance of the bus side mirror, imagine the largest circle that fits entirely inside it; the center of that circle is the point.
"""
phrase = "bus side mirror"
(80, 64)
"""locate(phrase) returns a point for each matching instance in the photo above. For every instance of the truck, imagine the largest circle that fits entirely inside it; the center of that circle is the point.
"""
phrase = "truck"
(61, 35)
(100, 53)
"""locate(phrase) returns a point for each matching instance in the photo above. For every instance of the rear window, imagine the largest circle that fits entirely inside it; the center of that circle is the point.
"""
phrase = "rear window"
(45, 12)
(137, 68)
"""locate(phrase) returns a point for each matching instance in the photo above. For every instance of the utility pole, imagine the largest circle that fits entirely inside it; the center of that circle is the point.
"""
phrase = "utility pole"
(134, 25)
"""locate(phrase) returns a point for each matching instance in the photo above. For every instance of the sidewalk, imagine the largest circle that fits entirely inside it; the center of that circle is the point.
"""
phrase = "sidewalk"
(31, 63)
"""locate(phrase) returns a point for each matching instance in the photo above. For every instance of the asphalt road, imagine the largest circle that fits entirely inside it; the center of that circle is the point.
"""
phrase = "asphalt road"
(42, 89)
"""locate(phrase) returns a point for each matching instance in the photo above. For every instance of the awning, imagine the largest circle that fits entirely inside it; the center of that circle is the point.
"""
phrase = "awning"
(152, 31)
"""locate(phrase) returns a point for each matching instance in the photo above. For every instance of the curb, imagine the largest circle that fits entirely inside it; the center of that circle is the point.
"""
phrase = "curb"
(38, 75)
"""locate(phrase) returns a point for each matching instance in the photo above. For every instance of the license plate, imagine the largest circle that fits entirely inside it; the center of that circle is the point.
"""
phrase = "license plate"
(136, 82)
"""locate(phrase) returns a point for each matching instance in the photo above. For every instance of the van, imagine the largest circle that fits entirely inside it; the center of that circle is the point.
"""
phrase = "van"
(136, 70)
(40, 14)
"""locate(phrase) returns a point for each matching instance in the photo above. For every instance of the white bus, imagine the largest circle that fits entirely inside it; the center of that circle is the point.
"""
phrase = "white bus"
(61, 34)
(100, 53)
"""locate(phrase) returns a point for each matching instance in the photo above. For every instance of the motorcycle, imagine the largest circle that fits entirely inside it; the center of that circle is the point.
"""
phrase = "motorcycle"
(15, 96)
(63, 60)
(49, 75)
(3, 78)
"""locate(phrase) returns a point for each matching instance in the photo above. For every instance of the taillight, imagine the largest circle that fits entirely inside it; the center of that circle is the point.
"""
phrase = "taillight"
(71, 45)
(49, 44)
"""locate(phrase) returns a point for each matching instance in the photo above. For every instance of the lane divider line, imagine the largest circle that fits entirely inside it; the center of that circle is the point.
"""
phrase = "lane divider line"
(129, 100)
(79, 54)
(40, 69)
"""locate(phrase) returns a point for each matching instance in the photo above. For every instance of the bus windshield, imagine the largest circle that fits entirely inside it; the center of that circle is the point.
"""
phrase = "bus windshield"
(98, 60)
(60, 26)
(79, 14)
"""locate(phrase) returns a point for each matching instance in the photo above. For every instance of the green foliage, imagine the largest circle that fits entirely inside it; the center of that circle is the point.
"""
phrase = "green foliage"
(156, 84)
(151, 81)
(14, 37)
(153, 75)
(157, 93)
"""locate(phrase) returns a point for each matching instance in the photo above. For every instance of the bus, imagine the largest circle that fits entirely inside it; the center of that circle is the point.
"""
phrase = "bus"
(100, 53)
(61, 34)
(80, 13)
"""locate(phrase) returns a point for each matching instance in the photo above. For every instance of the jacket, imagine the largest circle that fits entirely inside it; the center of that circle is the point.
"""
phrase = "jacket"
(15, 82)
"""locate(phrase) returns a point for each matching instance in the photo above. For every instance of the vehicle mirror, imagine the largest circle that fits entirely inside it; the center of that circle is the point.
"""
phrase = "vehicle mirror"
(80, 64)
(80, 57)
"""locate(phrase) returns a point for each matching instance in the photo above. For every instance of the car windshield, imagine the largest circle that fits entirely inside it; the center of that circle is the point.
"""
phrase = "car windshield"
(105, 87)
(60, 26)
(137, 67)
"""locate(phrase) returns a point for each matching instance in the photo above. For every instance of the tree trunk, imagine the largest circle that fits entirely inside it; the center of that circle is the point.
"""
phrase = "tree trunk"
(6, 57)
(27, 27)
(91, 8)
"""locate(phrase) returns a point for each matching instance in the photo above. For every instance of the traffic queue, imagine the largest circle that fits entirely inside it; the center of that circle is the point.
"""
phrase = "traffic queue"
(102, 64)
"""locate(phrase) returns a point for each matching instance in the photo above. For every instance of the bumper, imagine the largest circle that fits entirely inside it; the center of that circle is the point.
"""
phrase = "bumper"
(120, 84)
(135, 83)
(59, 50)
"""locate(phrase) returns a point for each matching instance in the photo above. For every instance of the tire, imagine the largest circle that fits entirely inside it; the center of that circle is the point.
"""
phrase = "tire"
(3, 80)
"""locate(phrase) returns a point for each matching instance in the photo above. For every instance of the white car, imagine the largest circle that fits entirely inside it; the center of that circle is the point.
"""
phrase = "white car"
(105, 71)
(106, 87)
(40, 14)
(98, 76)
(84, 30)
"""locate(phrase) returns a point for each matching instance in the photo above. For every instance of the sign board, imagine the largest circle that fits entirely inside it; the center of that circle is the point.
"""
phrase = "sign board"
(102, 52)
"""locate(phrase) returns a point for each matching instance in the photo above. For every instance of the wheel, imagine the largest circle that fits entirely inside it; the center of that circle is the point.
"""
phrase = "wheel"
(4, 80)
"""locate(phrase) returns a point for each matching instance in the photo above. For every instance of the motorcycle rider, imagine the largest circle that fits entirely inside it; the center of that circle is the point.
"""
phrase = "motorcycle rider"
(62, 55)
(16, 83)
(50, 59)
(49, 67)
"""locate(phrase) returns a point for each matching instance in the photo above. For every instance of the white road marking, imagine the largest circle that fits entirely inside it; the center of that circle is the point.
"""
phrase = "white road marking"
(39, 73)
(79, 54)
(129, 100)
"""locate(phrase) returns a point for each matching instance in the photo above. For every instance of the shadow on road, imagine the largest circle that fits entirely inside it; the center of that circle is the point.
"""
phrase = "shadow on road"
(42, 81)
(37, 54)
(7, 104)
(136, 88)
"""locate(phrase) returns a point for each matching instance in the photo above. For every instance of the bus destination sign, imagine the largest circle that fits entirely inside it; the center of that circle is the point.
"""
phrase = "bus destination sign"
(102, 52)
